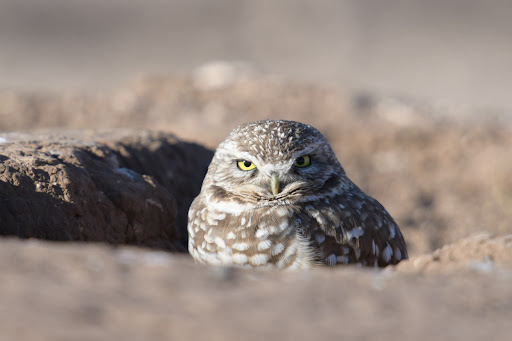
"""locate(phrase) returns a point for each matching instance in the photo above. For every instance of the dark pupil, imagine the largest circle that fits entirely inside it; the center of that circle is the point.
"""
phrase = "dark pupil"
(247, 164)
(300, 160)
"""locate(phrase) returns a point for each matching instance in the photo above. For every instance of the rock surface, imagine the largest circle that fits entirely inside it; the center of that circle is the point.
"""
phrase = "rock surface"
(117, 186)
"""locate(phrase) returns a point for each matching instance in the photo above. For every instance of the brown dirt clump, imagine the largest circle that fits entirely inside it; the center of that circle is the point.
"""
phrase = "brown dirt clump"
(117, 186)
(479, 253)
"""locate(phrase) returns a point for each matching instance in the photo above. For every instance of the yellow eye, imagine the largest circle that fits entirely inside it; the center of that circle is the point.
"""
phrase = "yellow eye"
(245, 165)
(302, 161)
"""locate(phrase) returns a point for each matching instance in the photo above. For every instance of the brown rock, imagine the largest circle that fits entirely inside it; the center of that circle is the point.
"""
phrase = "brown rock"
(118, 186)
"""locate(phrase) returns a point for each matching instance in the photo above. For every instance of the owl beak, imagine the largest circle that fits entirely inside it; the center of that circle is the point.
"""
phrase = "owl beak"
(274, 184)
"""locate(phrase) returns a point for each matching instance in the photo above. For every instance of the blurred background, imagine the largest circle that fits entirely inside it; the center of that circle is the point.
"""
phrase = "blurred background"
(455, 52)
(414, 95)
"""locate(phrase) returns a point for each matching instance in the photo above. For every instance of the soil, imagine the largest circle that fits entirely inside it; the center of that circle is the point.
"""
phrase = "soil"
(118, 171)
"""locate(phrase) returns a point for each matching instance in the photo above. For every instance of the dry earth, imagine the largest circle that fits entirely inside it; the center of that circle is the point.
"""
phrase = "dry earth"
(90, 292)
(119, 169)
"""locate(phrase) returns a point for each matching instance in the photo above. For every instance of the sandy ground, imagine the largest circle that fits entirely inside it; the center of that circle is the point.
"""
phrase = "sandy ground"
(91, 292)
(447, 184)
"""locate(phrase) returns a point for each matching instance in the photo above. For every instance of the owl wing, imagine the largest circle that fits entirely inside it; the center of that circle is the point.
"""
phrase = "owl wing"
(379, 238)
(355, 228)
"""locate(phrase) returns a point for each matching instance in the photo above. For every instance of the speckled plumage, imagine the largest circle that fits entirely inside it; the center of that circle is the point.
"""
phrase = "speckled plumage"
(313, 215)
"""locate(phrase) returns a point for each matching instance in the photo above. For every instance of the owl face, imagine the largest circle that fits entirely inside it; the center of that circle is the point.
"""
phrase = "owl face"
(273, 162)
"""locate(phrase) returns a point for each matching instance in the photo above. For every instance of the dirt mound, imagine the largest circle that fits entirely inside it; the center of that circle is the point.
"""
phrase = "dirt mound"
(117, 186)
(479, 253)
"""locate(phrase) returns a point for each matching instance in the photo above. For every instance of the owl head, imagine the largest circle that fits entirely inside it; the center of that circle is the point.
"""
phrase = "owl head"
(273, 161)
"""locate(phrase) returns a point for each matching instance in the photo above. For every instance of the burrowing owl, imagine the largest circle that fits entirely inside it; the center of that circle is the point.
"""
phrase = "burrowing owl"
(275, 195)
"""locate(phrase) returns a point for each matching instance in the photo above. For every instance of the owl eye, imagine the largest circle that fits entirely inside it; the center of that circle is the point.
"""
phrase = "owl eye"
(302, 161)
(245, 165)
